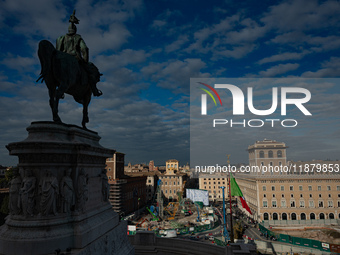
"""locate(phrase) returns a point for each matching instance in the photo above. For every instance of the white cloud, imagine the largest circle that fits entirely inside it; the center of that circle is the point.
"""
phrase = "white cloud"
(283, 57)
(175, 74)
(176, 45)
(330, 68)
(20, 63)
(122, 59)
(302, 15)
(279, 69)
(158, 24)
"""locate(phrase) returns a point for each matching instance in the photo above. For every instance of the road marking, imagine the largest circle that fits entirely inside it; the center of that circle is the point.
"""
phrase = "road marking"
(257, 235)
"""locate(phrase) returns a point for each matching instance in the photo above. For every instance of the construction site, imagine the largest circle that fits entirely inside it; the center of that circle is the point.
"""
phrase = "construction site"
(187, 215)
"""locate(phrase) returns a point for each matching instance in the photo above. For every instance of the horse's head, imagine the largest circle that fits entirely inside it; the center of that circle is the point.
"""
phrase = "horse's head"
(94, 74)
(46, 51)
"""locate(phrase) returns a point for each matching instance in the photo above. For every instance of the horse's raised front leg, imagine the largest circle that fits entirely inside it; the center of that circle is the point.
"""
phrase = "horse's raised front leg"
(85, 115)
(58, 94)
(54, 106)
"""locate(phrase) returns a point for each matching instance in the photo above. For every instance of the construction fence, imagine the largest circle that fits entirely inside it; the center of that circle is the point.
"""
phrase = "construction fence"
(183, 231)
(195, 229)
(304, 242)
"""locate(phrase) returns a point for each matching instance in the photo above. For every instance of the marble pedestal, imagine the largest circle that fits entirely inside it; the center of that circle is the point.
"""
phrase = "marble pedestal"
(40, 222)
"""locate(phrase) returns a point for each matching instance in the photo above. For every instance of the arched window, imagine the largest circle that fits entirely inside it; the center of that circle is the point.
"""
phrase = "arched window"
(312, 216)
(261, 154)
(293, 216)
(279, 154)
(331, 216)
(270, 154)
(284, 216)
(321, 216)
(303, 216)
(275, 217)
(265, 216)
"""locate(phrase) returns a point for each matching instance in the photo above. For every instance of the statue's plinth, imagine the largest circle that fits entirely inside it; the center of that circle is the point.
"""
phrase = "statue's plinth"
(59, 198)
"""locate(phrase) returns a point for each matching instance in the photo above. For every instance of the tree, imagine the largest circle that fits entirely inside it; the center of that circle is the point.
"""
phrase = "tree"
(238, 231)
(4, 205)
(4, 182)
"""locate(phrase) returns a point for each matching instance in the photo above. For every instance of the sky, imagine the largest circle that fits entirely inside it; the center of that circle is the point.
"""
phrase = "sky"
(149, 50)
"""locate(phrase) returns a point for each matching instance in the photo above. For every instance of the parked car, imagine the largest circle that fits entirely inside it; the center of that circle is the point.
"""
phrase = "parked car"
(194, 238)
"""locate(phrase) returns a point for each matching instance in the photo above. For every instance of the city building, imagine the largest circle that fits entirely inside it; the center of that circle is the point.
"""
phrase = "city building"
(127, 192)
(136, 168)
(267, 153)
(213, 184)
(171, 166)
(293, 194)
(151, 185)
(151, 165)
(185, 168)
(115, 166)
(172, 180)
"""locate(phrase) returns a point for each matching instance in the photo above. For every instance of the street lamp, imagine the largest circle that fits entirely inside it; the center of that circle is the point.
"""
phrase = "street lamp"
(138, 205)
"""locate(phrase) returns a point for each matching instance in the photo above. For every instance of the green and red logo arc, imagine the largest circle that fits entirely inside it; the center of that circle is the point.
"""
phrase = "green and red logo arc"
(210, 94)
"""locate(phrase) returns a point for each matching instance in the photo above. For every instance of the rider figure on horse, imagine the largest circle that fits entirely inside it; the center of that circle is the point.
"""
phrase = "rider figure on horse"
(73, 44)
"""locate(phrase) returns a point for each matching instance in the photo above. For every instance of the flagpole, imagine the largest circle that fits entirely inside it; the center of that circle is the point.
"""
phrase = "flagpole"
(231, 213)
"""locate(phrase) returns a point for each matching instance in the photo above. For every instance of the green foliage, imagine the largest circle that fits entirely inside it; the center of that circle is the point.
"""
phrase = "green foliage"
(9, 174)
(238, 231)
(4, 205)
(4, 182)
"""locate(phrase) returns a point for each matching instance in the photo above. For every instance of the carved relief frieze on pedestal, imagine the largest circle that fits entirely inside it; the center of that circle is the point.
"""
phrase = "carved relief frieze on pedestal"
(55, 196)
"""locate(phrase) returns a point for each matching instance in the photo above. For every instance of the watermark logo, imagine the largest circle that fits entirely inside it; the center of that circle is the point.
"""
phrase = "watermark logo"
(302, 96)
(204, 97)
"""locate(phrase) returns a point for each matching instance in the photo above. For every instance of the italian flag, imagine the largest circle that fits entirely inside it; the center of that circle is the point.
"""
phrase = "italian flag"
(236, 191)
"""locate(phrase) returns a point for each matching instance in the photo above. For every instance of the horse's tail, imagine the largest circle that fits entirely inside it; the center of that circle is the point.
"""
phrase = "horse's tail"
(46, 51)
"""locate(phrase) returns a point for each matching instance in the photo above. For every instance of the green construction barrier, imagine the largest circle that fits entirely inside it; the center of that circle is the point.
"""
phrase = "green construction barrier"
(284, 238)
(219, 242)
(304, 242)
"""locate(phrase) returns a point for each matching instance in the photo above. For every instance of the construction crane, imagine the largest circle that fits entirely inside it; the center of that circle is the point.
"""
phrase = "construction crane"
(159, 199)
(180, 193)
(172, 213)
(176, 206)
(198, 212)
(153, 215)
(225, 232)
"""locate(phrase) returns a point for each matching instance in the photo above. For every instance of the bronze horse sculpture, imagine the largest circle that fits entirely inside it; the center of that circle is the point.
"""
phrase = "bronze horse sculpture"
(63, 73)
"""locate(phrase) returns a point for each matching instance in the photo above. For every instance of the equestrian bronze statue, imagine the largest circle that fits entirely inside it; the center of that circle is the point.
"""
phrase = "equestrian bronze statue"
(66, 69)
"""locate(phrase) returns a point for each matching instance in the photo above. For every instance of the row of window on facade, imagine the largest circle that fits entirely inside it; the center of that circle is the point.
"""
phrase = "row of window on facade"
(172, 165)
(166, 191)
(310, 188)
(214, 187)
(271, 154)
(223, 183)
(301, 203)
(293, 216)
(169, 177)
(213, 179)
(271, 164)
(166, 183)
(301, 195)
